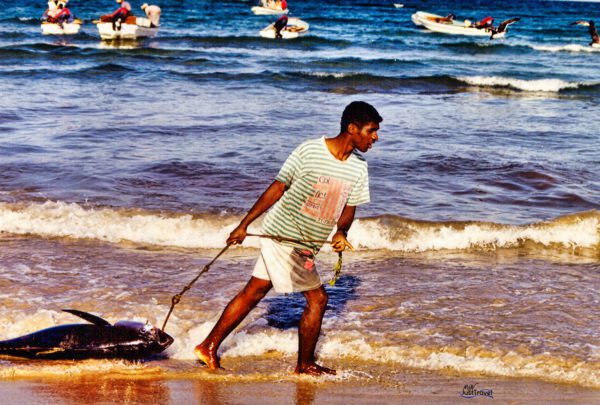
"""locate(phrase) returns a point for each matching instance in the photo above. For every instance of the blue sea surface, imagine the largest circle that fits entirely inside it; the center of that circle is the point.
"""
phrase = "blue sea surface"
(200, 118)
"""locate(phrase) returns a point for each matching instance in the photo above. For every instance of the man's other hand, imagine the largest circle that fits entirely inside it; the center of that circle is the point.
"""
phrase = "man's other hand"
(340, 243)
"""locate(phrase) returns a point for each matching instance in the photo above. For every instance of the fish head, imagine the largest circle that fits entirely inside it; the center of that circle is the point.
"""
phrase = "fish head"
(152, 335)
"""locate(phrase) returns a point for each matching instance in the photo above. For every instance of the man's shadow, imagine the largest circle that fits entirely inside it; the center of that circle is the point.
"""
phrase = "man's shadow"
(284, 311)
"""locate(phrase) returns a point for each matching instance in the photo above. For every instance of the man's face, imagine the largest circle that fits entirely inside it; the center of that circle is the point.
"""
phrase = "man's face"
(364, 137)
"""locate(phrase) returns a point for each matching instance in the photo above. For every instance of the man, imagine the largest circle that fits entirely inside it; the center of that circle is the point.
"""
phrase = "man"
(121, 13)
(51, 12)
(64, 14)
(445, 20)
(280, 25)
(153, 14)
(318, 187)
(487, 22)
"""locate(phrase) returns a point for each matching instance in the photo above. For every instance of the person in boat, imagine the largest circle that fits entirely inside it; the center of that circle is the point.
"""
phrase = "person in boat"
(445, 20)
(592, 30)
(121, 13)
(64, 14)
(280, 25)
(51, 11)
(153, 14)
(486, 23)
(280, 4)
(316, 190)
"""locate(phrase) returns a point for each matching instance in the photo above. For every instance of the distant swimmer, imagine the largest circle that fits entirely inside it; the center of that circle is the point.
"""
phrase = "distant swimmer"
(503, 27)
(592, 30)
(153, 14)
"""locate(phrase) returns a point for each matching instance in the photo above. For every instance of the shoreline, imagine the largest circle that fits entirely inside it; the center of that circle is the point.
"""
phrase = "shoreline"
(244, 386)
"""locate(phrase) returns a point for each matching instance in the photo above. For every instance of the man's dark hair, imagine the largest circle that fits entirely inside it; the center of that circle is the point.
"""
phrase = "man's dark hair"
(359, 113)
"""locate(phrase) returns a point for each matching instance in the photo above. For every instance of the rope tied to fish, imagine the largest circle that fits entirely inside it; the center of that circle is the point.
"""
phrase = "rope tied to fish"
(337, 269)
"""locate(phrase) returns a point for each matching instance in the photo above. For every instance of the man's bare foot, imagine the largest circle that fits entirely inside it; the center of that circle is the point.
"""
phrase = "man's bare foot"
(207, 357)
(314, 369)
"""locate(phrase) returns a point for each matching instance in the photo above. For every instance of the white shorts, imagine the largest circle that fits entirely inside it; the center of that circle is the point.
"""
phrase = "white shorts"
(290, 269)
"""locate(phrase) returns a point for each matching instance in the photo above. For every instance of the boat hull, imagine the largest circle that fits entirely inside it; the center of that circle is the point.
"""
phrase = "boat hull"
(428, 20)
(126, 31)
(257, 10)
(55, 29)
(294, 29)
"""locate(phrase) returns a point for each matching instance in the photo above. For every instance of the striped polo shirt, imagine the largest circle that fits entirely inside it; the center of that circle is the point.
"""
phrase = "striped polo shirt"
(318, 186)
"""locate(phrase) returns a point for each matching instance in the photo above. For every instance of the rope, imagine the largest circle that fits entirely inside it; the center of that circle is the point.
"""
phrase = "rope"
(284, 239)
(177, 297)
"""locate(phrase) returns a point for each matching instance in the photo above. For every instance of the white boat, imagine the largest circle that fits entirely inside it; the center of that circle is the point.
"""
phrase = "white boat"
(398, 5)
(49, 28)
(125, 31)
(295, 27)
(258, 10)
(436, 23)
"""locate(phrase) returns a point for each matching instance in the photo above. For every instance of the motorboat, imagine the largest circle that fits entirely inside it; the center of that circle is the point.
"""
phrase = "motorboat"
(295, 27)
(108, 30)
(260, 10)
(438, 23)
(49, 28)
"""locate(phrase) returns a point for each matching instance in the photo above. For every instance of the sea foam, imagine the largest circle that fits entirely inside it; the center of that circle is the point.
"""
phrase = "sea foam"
(539, 85)
(59, 219)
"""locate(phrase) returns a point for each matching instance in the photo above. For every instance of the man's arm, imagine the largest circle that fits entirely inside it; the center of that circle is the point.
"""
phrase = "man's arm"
(340, 243)
(271, 195)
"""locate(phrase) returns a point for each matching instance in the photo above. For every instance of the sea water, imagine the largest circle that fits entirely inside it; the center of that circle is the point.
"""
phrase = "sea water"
(125, 165)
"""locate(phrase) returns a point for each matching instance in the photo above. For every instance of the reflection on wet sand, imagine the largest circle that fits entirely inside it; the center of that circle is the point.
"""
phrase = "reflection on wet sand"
(305, 393)
(104, 390)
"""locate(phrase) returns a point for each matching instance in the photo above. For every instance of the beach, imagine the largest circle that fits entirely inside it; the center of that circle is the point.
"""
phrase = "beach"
(124, 166)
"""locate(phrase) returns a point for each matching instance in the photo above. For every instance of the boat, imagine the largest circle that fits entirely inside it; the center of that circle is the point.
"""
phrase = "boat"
(295, 27)
(436, 23)
(398, 5)
(259, 10)
(125, 31)
(49, 28)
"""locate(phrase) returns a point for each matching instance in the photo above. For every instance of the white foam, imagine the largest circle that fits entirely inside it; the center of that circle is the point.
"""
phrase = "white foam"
(420, 237)
(256, 341)
(330, 74)
(565, 48)
(539, 85)
(59, 219)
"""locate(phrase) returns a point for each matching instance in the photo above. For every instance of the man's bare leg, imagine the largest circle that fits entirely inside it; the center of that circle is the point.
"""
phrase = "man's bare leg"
(234, 313)
(308, 333)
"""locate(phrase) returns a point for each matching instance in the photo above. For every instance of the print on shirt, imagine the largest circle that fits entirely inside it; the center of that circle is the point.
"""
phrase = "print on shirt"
(329, 197)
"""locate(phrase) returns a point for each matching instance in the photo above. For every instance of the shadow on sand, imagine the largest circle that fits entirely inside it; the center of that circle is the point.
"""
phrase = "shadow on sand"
(284, 311)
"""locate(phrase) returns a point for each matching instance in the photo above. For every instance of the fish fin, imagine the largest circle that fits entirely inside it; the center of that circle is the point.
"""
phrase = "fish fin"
(96, 320)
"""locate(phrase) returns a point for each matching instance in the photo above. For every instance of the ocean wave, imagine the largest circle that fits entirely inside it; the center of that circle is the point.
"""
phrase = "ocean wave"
(470, 360)
(539, 85)
(209, 231)
(565, 48)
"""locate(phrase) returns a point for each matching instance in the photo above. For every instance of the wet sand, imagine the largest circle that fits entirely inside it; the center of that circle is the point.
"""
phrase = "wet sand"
(215, 388)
